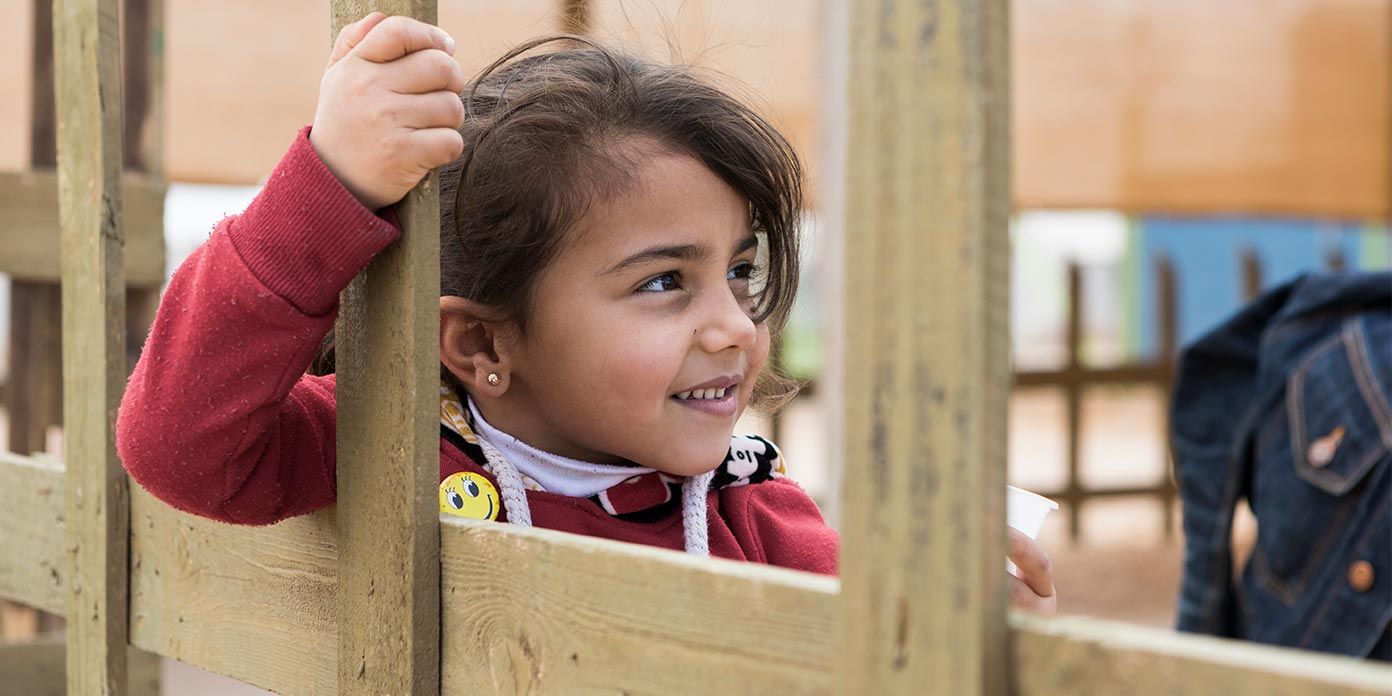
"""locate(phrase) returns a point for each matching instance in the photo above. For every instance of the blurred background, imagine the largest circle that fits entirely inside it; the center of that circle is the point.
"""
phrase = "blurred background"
(1171, 159)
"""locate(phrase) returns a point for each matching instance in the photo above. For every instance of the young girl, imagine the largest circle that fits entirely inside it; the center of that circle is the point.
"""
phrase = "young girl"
(618, 242)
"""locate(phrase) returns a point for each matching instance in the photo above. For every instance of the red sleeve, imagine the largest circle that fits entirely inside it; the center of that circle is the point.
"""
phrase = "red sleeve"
(777, 523)
(219, 418)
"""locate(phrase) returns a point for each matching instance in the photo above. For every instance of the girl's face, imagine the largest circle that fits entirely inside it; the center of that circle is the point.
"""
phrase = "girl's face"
(640, 345)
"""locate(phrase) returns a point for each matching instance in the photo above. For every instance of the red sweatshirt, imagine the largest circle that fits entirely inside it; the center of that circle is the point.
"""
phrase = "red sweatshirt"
(220, 419)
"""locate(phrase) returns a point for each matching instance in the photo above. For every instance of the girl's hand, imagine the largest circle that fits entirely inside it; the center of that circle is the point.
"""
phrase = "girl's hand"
(389, 108)
(1034, 589)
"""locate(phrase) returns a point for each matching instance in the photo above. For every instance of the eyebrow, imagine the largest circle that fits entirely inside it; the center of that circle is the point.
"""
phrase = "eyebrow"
(677, 252)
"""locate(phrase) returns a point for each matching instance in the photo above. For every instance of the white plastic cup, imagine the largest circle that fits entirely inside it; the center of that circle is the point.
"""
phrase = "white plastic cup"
(1026, 512)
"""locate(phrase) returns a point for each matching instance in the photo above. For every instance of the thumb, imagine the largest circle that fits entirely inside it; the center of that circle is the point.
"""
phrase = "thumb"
(353, 34)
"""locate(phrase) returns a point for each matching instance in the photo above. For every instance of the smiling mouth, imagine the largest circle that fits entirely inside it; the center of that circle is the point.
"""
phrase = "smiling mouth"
(711, 394)
(722, 406)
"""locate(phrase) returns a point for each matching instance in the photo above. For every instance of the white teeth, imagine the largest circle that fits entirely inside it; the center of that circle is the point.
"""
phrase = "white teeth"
(703, 394)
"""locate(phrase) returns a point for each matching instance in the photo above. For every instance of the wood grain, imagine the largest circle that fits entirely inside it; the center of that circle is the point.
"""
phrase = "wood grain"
(388, 444)
(32, 565)
(1078, 655)
(88, 87)
(253, 603)
(926, 367)
(538, 611)
(30, 233)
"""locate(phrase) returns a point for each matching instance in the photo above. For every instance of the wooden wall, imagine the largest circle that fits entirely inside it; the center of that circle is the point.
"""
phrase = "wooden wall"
(1181, 106)
(1199, 106)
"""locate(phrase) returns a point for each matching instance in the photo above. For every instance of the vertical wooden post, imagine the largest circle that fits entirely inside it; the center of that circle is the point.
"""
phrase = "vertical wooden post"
(389, 444)
(33, 399)
(1073, 400)
(144, 137)
(575, 17)
(1251, 274)
(926, 369)
(1169, 350)
(88, 86)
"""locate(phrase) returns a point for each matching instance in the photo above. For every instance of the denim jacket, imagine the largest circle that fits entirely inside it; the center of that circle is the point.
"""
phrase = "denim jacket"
(1287, 406)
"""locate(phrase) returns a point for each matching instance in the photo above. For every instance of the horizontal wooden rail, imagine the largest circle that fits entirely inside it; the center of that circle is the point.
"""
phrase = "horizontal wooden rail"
(1129, 374)
(589, 615)
(32, 565)
(29, 227)
(257, 604)
(524, 609)
(1082, 655)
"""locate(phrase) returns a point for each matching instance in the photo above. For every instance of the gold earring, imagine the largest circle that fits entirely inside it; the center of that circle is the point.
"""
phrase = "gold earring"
(494, 380)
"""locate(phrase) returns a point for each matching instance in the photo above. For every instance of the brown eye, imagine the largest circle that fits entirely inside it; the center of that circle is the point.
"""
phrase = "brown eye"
(661, 283)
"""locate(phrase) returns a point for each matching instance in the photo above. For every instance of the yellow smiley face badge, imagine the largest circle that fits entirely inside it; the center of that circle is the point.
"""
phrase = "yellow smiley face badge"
(469, 495)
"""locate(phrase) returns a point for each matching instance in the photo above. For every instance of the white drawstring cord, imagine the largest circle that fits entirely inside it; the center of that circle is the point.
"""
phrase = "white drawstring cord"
(514, 493)
(694, 489)
(694, 528)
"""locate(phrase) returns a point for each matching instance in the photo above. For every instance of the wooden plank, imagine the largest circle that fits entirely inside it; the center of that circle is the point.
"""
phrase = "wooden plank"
(1140, 373)
(1081, 655)
(536, 611)
(36, 668)
(387, 352)
(42, 122)
(575, 17)
(32, 567)
(258, 604)
(34, 399)
(253, 603)
(926, 368)
(143, 68)
(29, 225)
(88, 86)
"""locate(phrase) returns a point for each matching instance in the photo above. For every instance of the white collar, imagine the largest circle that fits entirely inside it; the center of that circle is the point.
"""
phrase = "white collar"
(554, 473)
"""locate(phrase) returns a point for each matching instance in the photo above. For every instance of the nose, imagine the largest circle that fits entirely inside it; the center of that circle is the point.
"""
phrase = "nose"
(725, 324)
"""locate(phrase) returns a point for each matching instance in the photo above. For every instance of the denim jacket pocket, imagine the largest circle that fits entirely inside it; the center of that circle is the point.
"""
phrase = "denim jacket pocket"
(1333, 431)
(1339, 417)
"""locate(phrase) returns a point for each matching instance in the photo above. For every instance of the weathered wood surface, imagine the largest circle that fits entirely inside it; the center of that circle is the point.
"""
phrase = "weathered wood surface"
(387, 352)
(1077, 655)
(32, 564)
(537, 611)
(926, 368)
(259, 605)
(253, 603)
(532, 609)
(36, 668)
(88, 87)
(29, 248)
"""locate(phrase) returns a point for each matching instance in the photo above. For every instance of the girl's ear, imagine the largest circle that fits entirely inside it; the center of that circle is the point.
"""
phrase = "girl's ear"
(474, 347)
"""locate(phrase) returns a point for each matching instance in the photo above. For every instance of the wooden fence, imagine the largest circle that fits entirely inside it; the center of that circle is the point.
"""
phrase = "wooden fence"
(381, 595)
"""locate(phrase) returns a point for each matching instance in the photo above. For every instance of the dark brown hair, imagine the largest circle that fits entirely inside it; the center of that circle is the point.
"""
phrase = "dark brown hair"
(548, 134)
